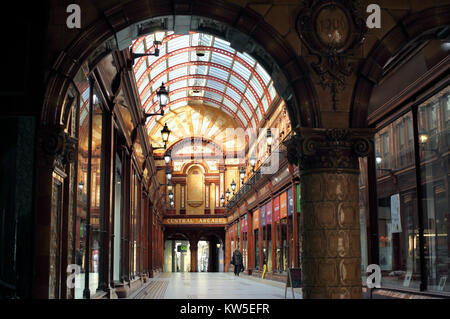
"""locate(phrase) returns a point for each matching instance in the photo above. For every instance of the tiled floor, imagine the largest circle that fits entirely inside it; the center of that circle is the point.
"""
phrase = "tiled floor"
(217, 286)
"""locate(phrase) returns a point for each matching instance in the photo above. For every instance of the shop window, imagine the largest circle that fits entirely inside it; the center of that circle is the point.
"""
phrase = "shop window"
(256, 234)
(398, 206)
(363, 209)
(117, 248)
(89, 207)
(433, 119)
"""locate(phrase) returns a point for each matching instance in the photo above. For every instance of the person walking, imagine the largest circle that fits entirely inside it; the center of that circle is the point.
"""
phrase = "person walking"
(236, 260)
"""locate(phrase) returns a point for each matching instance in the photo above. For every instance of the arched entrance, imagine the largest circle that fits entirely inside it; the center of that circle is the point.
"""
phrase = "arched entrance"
(328, 158)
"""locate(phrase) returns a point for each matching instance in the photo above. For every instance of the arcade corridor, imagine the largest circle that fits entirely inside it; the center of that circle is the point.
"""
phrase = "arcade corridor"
(212, 286)
(147, 148)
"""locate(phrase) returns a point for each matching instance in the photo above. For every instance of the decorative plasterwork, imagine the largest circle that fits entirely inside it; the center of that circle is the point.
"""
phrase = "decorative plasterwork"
(332, 30)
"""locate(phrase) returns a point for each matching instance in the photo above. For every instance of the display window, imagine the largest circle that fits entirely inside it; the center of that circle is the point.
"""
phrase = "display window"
(89, 207)
(269, 234)
(398, 210)
(264, 236)
(290, 231)
(256, 236)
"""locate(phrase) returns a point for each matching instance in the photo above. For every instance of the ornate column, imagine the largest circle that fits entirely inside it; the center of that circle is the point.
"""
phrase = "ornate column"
(329, 170)
(193, 248)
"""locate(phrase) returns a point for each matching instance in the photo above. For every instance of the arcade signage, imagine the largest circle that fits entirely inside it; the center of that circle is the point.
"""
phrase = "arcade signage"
(194, 221)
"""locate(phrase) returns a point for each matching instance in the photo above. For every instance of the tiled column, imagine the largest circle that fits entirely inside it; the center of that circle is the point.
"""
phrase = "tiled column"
(331, 254)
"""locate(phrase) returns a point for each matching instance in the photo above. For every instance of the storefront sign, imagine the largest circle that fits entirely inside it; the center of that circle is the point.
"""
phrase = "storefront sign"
(256, 219)
(396, 226)
(269, 213)
(290, 202)
(194, 221)
(283, 205)
(263, 216)
(298, 198)
(276, 208)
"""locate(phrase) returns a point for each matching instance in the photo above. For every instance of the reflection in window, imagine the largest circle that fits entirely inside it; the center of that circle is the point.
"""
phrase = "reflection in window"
(433, 121)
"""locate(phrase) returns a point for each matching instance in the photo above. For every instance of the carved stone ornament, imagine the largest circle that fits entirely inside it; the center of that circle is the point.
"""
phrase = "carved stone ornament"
(331, 30)
(319, 148)
(58, 147)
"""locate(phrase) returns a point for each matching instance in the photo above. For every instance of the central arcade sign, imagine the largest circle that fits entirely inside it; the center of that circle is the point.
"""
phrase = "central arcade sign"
(195, 221)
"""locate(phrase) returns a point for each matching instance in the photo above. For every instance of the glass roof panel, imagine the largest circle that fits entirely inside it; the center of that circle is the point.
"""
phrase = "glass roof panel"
(237, 83)
(272, 91)
(213, 95)
(197, 82)
(143, 84)
(177, 95)
(231, 105)
(141, 70)
(264, 75)
(247, 58)
(216, 85)
(255, 84)
(222, 44)
(233, 94)
(178, 72)
(157, 70)
(251, 98)
(178, 58)
(177, 85)
(221, 74)
(245, 67)
(241, 70)
(265, 103)
(178, 43)
(221, 59)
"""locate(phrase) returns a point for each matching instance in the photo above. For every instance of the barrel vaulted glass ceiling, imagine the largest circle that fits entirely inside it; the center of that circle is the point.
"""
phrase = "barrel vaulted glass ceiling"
(201, 67)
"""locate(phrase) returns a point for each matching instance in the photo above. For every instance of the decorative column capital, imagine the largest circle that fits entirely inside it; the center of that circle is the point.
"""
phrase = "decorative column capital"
(58, 147)
(329, 149)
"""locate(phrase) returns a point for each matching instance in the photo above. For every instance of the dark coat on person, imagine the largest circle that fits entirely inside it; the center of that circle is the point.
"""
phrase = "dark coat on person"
(236, 260)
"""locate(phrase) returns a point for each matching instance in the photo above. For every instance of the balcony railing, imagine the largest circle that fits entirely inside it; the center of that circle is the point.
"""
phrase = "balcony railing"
(279, 150)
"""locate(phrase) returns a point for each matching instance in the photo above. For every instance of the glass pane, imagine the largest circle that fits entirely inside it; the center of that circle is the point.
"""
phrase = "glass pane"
(397, 210)
(81, 213)
(96, 184)
(363, 212)
(434, 172)
(117, 219)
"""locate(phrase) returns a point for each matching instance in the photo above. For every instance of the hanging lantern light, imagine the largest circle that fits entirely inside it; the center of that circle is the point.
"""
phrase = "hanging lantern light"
(165, 133)
(163, 96)
(233, 186)
(167, 157)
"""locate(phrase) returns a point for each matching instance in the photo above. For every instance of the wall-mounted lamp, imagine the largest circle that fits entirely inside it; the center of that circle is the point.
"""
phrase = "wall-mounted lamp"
(163, 98)
(167, 157)
(168, 174)
(222, 200)
(170, 195)
(269, 137)
(165, 133)
(252, 162)
(242, 173)
(227, 193)
(155, 52)
(81, 185)
(233, 186)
